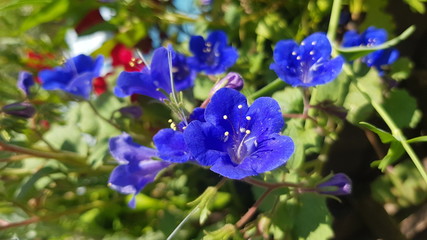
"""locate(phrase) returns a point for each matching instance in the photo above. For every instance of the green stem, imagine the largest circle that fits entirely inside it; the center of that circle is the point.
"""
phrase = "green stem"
(395, 130)
(66, 157)
(102, 117)
(333, 21)
(268, 89)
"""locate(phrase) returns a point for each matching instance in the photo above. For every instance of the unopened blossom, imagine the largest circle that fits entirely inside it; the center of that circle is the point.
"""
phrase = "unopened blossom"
(338, 184)
(25, 81)
(308, 64)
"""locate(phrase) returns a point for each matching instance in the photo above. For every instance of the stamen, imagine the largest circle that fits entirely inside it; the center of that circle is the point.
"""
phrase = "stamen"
(242, 130)
(299, 58)
(294, 53)
(313, 43)
(302, 43)
(173, 126)
(240, 106)
(133, 59)
(248, 118)
(311, 52)
(248, 131)
(226, 133)
(225, 117)
(131, 64)
(170, 121)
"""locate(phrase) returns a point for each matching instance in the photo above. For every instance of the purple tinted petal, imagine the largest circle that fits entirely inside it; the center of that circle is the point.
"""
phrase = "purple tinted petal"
(171, 146)
(82, 63)
(125, 150)
(339, 184)
(25, 81)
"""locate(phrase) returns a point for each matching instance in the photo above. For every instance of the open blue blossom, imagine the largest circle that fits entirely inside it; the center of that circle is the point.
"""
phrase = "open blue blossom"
(212, 56)
(150, 80)
(74, 77)
(136, 166)
(236, 140)
(307, 65)
(372, 37)
(25, 81)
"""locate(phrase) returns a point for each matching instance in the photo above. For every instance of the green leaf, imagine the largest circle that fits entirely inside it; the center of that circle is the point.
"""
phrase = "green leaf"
(202, 87)
(395, 151)
(359, 108)
(335, 91)
(385, 137)
(232, 16)
(353, 53)
(417, 5)
(417, 139)
(19, 3)
(402, 108)
(98, 153)
(27, 189)
(401, 69)
(290, 100)
(48, 13)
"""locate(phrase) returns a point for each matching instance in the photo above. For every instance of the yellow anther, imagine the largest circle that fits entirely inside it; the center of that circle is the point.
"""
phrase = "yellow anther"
(226, 133)
(173, 126)
(225, 117)
(170, 121)
(248, 118)
(240, 106)
(248, 131)
(133, 59)
(132, 64)
(139, 61)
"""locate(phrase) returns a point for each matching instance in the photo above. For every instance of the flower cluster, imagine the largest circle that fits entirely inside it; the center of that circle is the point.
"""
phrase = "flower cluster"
(372, 37)
(306, 65)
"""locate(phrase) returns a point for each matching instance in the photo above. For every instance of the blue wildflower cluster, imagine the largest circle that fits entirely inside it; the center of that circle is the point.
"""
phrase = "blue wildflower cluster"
(372, 37)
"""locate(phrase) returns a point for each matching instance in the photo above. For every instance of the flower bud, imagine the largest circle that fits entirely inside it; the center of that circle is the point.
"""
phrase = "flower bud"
(339, 184)
(19, 109)
(232, 80)
(25, 81)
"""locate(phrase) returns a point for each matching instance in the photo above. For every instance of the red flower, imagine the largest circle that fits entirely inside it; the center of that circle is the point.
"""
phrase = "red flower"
(123, 56)
(100, 85)
(39, 61)
(91, 19)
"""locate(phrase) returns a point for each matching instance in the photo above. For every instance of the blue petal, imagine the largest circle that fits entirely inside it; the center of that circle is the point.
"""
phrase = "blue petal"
(265, 117)
(351, 39)
(129, 83)
(56, 78)
(205, 142)
(171, 146)
(373, 36)
(82, 63)
(25, 81)
(160, 74)
(283, 50)
(270, 153)
(325, 72)
(226, 109)
(125, 150)
(197, 44)
(313, 48)
(81, 85)
(217, 37)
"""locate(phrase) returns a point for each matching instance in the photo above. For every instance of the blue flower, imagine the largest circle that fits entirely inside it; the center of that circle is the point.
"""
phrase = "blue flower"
(236, 140)
(339, 184)
(149, 80)
(25, 81)
(212, 56)
(372, 37)
(308, 64)
(74, 77)
(136, 167)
